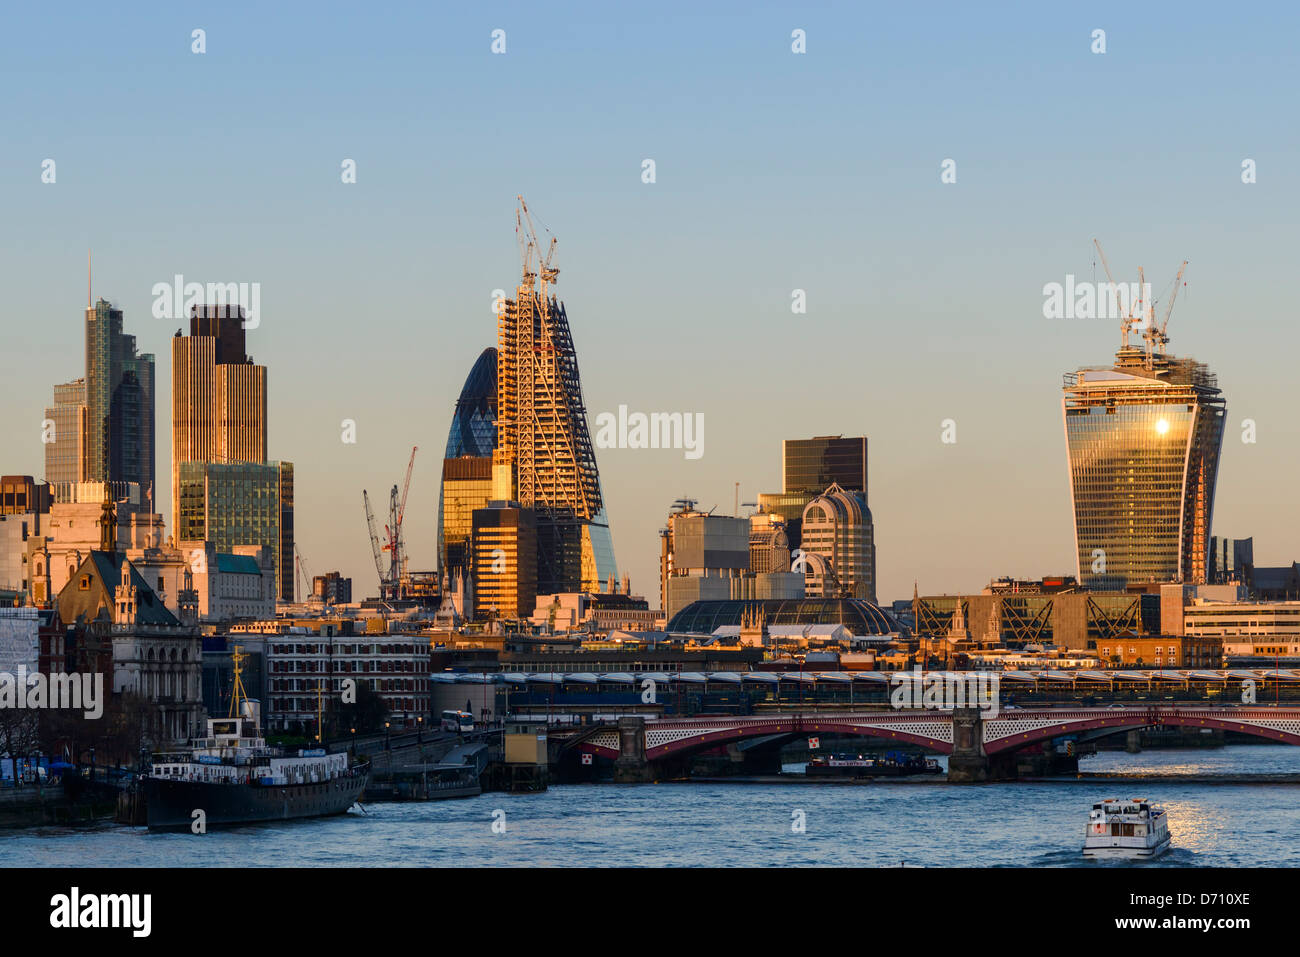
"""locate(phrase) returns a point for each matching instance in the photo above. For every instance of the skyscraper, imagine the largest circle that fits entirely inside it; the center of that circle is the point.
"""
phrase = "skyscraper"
(814, 465)
(218, 395)
(219, 418)
(831, 470)
(65, 442)
(1142, 442)
(239, 503)
(837, 527)
(119, 402)
(467, 464)
(544, 458)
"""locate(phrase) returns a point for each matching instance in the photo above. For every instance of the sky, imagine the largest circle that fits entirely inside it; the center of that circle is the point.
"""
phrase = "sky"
(775, 171)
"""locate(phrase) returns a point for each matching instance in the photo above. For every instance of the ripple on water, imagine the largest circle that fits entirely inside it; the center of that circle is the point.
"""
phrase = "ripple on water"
(879, 825)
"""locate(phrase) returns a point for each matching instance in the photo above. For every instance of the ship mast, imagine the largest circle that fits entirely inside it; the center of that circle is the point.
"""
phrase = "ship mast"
(237, 693)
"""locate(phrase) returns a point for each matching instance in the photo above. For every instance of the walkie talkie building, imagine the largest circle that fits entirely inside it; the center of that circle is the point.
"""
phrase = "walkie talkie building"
(1143, 438)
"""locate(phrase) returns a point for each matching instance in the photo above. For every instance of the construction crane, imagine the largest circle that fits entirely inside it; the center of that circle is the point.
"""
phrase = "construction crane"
(392, 579)
(302, 572)
(374, 541)
(1130, 320)
(527, 238)
(1178, 282)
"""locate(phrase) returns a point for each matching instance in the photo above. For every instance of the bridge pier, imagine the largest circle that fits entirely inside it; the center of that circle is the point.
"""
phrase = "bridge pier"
(631, 766)
(969, 763)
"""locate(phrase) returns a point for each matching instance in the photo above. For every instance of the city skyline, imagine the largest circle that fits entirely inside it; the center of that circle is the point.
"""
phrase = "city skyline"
(909, 321)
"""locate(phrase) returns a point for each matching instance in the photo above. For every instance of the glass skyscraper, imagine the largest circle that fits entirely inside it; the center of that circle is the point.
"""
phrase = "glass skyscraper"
(467, 463)
(119, 402)
(1142, 439)
(814, 465)
(239, 503)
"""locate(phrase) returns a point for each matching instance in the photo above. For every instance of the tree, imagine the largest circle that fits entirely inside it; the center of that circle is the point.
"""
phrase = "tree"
(367, 714)
(19, 736)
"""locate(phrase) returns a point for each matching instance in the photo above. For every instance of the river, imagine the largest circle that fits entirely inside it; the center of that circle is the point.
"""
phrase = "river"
(877, 824)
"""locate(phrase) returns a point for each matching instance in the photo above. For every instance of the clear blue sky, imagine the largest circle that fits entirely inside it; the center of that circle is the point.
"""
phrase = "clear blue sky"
(775, 171)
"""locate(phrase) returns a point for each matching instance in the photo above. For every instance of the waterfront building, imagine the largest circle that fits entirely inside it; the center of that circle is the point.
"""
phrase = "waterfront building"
(1161, 651)
(1054, 611)
(239, 503)
(1142, 439)
(308, 661)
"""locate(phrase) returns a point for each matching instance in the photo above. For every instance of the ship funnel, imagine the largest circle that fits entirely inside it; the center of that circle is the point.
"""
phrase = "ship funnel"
(253, 712)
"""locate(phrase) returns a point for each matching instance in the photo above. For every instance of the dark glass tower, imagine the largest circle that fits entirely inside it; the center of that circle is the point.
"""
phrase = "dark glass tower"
(119, 402)
(467, 465)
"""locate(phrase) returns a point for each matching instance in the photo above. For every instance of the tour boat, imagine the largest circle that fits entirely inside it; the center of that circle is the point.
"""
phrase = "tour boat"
(1134, 829)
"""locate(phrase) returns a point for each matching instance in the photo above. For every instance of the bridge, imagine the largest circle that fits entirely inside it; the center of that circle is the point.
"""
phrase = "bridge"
(980, 747)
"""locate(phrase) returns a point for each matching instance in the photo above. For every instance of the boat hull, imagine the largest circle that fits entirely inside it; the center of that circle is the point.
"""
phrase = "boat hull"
(1126, 853)
(170, 804)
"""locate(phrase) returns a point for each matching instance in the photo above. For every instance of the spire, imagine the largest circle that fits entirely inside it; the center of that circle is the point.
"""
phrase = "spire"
(108, 523)
(90, 299)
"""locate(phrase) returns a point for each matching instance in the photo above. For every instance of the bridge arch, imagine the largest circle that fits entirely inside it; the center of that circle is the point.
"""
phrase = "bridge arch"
(1278, 727)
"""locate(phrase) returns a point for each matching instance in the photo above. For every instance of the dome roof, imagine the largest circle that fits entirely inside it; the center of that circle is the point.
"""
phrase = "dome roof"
(473, 425)
(856, 614)
(838, 505)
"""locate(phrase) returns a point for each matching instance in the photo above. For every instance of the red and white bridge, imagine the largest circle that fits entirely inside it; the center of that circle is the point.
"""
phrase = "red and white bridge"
(1006, 732)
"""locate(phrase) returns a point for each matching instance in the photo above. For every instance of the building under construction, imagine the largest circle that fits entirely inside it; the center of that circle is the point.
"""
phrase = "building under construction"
(544, 459)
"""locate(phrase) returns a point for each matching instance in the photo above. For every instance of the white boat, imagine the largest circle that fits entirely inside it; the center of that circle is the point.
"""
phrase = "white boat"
(1134, 829)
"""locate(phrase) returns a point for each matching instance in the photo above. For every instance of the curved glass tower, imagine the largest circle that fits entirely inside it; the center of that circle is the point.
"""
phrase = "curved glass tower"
(467, 464)
(1143, 440)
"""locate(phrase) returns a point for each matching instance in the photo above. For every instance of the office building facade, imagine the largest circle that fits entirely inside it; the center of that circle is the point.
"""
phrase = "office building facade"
(504, 564)
(218, 395)
(64, 436)
(239, 503)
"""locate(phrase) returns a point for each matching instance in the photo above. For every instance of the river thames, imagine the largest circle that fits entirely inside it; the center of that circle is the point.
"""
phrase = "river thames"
(879, 824)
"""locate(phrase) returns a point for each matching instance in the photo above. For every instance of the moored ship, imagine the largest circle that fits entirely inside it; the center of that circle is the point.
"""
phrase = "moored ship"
(890, 764)
(233, 777)
(1126, 829)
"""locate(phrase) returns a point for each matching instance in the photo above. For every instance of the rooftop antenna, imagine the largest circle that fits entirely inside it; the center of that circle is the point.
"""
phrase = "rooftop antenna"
(90, 299)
